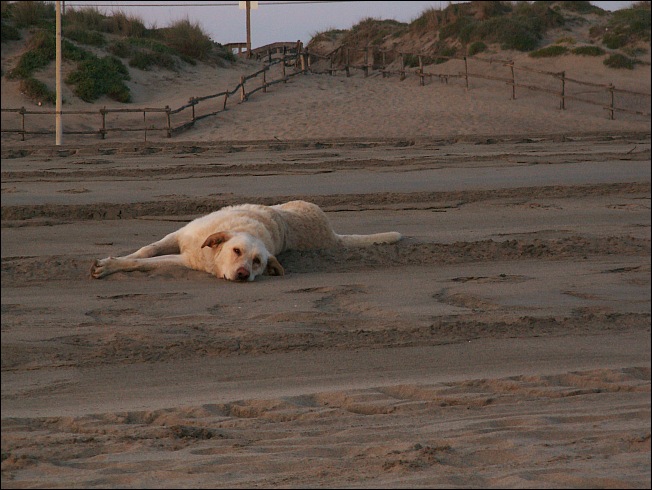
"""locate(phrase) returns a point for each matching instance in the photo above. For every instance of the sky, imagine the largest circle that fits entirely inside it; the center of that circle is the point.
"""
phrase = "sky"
(273, 21)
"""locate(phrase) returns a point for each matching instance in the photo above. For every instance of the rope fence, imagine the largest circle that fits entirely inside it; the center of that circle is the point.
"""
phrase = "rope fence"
(387, 62)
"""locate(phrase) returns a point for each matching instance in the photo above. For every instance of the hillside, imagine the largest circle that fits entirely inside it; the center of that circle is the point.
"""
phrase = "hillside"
(123, 53)
(467, 29)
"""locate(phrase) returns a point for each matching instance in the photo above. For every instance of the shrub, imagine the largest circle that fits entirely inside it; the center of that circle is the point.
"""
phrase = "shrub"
(618, 60)
(86, 18)
(187, 38)
(589, 51)
(37, 90)
(26, 14)
(627, 26)
(582, 7)
(549, 52)
(100, 76)
(84, 36)
(477, 47)
(144, 60)
(9, 33)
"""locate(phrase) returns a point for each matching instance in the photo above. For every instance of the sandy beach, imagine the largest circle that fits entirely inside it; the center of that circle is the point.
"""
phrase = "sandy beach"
(503, 343)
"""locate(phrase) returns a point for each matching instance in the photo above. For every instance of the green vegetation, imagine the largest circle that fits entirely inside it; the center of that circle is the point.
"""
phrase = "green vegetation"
(618, 60)
(628, 26)
(100, 76)
(589, 51)
(582, 7)
(477, 47)
(96, 76)
(37, 90)
(549, 51)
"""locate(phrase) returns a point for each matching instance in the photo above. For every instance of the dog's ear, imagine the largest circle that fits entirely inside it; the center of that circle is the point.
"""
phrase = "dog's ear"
(274, 268)
(216, 239)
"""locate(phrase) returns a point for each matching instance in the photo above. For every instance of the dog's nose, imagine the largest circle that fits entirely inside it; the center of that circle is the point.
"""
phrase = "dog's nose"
(242, 274)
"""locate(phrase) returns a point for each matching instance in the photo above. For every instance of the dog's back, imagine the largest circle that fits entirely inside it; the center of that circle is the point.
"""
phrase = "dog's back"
(309, 228)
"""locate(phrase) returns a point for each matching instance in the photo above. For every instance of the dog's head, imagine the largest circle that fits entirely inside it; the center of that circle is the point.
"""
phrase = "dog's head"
(240, 256)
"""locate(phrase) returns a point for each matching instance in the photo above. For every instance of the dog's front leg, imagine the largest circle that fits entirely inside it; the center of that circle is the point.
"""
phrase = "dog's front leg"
(110, 265)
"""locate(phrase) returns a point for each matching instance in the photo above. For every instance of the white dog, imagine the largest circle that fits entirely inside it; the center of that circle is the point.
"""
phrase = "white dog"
(238, 243)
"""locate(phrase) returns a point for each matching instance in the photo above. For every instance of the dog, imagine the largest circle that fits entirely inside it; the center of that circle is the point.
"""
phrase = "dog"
(241, 242)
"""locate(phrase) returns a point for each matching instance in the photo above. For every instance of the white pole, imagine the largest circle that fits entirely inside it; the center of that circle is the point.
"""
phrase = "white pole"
(59, 126)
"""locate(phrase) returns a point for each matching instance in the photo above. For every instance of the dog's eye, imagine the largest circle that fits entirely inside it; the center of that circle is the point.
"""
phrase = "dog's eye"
(256, 261)
(237, 251)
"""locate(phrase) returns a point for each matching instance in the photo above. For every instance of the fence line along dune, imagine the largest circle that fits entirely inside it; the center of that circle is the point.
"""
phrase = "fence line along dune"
(480, 77)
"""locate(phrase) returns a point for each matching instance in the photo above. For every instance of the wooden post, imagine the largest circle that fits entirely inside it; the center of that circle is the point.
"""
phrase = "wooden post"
(248, 6)
(466, 73)
(103, 130)
(422, 82)
(384, 65)
(226, 96)
(167, 112)
(562, 102)
(347, 61)
(366, 62)
(402, 67)
(264, 82)
(331, 69)
(611, 89)
(145, 124)
(511, 65)
(243, 94)
(22, 113)
(58, 55)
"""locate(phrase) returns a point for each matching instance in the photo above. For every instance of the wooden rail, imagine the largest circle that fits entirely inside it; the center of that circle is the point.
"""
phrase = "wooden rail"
(297, 60)
(369, 55)
(338, 60)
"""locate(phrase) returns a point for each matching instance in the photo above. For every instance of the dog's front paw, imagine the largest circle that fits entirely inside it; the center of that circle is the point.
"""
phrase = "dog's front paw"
(100, 268)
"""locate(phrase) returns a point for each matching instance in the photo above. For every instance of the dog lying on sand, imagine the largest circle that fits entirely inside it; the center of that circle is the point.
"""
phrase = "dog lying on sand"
(239, 243)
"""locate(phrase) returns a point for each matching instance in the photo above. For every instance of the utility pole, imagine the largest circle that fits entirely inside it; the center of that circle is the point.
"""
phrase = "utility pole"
(58, 123)
(248, 6)
(248, 29)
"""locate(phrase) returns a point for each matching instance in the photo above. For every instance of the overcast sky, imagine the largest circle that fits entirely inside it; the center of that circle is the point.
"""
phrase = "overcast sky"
(273, 21)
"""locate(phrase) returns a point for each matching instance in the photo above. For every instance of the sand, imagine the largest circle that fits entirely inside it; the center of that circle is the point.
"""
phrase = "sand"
(504, 343)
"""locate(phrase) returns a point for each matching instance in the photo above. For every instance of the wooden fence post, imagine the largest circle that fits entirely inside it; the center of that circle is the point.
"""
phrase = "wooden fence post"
(167, 112)
(243, 94)
(422, 82)
(366, 62)
(264, 82)
(347, 61)
(562, 102)
(22, 113)
(226, 96)
(331, 68)
(511, 65)
(103, 129)
(402, 67)
(145, 124)
(466, 73)
(611, 107)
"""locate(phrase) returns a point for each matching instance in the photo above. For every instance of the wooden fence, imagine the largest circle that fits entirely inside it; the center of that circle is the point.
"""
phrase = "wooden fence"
(302, 61)
(375, 59)
(164, 121)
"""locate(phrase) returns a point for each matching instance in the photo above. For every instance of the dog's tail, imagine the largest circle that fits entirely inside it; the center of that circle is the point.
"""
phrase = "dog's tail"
(367, 240)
